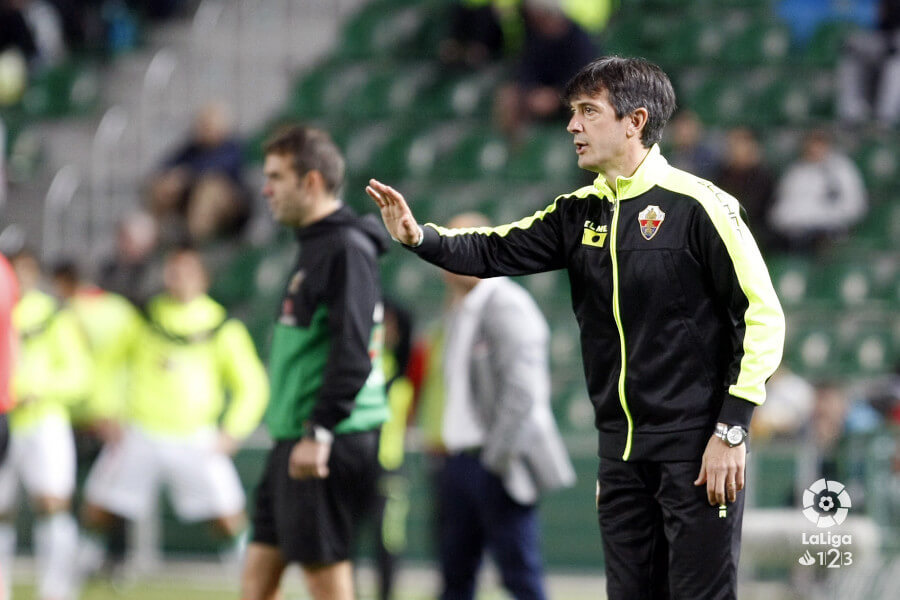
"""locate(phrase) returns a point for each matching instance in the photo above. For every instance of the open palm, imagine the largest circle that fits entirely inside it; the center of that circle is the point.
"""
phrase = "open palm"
(395, 213)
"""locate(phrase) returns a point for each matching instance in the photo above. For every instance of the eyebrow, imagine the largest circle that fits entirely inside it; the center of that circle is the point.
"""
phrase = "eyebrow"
(577, 103)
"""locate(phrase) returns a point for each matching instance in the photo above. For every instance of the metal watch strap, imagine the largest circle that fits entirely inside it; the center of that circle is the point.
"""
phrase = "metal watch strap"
(319, 434)
(722, 432)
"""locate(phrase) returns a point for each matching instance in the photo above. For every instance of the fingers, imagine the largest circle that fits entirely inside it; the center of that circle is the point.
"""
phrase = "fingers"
(701, 477)
(731, 490)
(385, 193)
(713, 486)
(720, 484)
(376, 197)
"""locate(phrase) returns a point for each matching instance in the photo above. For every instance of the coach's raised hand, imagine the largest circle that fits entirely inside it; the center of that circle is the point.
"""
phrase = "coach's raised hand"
(395, 213)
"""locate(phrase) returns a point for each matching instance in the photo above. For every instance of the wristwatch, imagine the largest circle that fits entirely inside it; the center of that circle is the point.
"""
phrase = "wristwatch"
(733, 435)
(318, 434)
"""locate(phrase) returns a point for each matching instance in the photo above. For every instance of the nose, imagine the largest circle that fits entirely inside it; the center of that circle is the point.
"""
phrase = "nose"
(574, 125)
(266, 190)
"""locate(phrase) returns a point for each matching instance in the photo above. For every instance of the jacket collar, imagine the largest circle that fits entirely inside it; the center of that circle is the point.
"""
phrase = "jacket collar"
(644, 178)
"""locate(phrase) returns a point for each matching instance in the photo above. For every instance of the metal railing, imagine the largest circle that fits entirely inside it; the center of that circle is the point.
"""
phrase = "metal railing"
(64, 221)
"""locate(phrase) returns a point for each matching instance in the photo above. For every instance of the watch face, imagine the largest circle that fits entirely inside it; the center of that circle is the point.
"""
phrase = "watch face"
(735, 436)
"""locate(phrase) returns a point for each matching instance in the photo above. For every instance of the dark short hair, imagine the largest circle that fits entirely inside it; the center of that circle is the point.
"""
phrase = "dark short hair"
(67, 271)
(631, 83)
(310, 149)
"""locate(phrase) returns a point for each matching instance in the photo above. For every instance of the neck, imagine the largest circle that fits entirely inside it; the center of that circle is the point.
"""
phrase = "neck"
(624, 165)
(326, 206)
(187, 297)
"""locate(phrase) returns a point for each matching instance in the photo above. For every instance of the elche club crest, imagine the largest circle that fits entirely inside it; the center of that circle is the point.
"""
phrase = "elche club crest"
(650, 219)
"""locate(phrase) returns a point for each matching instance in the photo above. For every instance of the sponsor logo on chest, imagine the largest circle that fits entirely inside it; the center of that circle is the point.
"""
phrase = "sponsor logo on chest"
(594, 235)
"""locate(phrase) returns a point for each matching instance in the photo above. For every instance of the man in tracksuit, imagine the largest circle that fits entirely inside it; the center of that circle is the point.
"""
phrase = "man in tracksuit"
(680, 329)
(327, 400)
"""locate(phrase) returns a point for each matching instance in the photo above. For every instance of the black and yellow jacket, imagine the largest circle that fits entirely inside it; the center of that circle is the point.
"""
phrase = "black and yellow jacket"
(680, 325)
(325, 362)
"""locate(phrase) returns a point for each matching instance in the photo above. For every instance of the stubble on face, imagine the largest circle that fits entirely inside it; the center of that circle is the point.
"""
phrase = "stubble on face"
(283, 190)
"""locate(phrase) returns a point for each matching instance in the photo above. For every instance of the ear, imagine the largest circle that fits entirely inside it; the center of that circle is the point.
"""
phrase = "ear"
(314, 180)
(637, 120)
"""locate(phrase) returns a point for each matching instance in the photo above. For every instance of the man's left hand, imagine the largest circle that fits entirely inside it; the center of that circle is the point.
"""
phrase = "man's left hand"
(722, 470)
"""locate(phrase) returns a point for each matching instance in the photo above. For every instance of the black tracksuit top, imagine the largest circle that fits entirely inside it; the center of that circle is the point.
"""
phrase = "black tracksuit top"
(680, 325)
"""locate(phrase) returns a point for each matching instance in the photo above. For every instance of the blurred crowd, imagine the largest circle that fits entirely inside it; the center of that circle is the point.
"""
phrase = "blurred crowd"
(39, 34)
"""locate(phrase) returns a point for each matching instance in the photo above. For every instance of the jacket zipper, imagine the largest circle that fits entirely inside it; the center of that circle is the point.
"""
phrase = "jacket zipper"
(617, 315)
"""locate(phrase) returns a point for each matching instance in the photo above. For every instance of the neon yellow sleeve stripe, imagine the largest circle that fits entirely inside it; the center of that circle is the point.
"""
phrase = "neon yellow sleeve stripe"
(501, 230)
(764, 318)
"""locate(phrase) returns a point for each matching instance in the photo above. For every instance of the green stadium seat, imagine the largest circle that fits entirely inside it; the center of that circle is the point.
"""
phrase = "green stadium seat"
(236, 282)
(824, 47)
(781, 146)
(637, 33)
(775, 465)
(68, 89)
(414, 151)
(413, 281)
(759, 44)
(548, 155)
(870, 352)
(479, 153)
(438, 203)
(365, 148)
(849, 284)
(881, 227)
(466, 96)
(811, 348)
(725, 101)
(391, 91)
(392, 29)
(786, 100)
(697, 39)
(328, 89)
(791, 278)
(879, 161)
(26, 153)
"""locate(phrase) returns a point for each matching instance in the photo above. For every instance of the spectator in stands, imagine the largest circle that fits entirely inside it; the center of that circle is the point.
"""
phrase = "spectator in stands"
(206, 171)
(14, 30)
(52, 372)
(745, 175)
(691, 150)
(555, 48)
(476, 34)
(788, 408)
(827, 425)
(130, 270)
(158, 10)
(868, 74)
(819, 198)
(44, 20)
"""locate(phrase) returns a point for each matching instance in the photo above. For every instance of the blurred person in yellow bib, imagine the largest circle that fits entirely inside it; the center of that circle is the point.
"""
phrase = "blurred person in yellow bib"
(186, 357)
(52, 371)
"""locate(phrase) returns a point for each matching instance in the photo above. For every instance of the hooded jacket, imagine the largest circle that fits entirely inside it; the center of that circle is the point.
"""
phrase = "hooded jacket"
(325, 359)
(680, 325)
